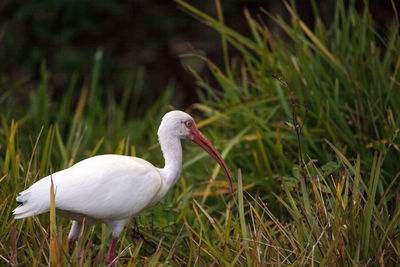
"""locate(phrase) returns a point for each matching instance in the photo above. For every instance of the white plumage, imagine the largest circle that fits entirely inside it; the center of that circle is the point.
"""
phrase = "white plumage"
(113, 188)
(98, 189)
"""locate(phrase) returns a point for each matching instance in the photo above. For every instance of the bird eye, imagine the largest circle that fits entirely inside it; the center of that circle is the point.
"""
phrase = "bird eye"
(188, 123)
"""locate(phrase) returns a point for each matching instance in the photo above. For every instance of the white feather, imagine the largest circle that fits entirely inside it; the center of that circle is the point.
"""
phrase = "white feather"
(106, 187)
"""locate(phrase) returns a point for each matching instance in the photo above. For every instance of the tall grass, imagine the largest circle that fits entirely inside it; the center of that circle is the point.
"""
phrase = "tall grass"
(340, 81)
(311, 125)
(336, 85)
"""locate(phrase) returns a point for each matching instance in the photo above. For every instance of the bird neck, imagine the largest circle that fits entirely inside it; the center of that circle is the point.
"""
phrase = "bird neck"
(172, 151)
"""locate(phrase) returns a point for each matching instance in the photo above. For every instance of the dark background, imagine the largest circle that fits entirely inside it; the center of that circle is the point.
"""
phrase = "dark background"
(147, 34)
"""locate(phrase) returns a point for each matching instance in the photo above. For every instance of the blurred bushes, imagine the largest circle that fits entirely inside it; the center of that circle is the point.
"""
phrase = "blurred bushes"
(66, 35)
(150, 33)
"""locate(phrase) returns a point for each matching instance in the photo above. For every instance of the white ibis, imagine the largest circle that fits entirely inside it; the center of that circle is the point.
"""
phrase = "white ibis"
(113, 188)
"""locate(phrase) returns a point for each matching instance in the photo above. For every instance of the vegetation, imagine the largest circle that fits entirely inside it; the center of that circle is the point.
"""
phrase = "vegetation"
(310, 124)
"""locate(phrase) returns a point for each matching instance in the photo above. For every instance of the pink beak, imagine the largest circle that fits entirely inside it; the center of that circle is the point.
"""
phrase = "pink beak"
(197, 137)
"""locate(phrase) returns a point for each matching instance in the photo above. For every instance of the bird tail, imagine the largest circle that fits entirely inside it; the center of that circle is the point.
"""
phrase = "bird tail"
(25, 208)
(23, 212)
(34, 200)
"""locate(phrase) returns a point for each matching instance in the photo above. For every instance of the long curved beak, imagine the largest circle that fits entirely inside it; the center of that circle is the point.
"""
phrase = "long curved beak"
(197, 137)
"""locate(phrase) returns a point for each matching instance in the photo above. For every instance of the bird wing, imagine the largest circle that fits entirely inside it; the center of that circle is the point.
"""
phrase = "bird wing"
(103, 187)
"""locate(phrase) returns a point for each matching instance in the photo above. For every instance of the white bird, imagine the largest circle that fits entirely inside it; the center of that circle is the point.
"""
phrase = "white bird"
(112, 188)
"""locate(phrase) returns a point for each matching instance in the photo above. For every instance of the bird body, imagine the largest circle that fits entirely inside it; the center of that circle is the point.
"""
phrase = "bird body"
(113, 188)
(98, 189)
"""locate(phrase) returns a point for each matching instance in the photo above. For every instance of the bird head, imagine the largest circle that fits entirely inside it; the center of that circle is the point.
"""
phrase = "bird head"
(176, 123)
(180, 124)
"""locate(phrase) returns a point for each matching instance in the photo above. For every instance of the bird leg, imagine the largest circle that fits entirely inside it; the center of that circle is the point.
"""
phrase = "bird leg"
(77, 228)
(111, 251)
(74, 232)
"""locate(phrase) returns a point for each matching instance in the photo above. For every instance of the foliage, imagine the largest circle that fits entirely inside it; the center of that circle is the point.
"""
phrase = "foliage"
(311, 125)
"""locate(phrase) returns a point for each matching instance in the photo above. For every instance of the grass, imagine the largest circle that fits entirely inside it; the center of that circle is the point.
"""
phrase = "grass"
(311, 125)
